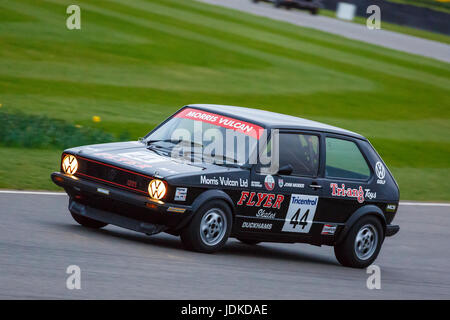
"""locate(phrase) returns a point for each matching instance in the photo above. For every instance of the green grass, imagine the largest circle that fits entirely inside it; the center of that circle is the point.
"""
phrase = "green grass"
(397, 28)
(134, 63)
(22, 130)
(431, 4)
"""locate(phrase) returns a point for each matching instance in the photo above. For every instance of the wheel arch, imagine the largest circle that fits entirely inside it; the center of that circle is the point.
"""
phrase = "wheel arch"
(208, 195)
(367, 210)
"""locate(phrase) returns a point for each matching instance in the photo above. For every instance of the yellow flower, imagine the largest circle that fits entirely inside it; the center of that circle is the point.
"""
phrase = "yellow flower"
(78, 126)
(96, 119)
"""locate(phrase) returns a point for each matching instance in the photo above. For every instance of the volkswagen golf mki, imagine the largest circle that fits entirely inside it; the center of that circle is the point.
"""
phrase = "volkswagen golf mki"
(211, 172)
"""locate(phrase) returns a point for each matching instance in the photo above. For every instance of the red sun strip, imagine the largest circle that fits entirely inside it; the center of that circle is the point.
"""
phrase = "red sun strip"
(247, 128)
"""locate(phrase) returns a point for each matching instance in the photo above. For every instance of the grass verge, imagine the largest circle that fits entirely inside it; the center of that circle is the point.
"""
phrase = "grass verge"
(134, 63)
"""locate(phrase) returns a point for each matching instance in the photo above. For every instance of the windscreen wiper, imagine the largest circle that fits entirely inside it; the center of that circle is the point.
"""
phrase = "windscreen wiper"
(175, 141)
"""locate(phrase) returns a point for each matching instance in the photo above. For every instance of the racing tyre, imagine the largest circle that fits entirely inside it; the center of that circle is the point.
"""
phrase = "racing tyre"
(209, 229)
(88, 222)
(249, 241)
(362, 244)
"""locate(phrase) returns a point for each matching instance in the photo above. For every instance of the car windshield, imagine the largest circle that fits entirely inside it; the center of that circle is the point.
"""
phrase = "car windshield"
(200, 136)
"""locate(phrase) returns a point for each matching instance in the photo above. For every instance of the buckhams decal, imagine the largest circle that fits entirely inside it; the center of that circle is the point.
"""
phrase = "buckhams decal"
(256, 225)
(337, 191)
(247, 128)
(267, 200)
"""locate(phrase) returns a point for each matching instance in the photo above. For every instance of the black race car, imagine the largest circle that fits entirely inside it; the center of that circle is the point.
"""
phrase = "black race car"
(312, 5)
(211, 172)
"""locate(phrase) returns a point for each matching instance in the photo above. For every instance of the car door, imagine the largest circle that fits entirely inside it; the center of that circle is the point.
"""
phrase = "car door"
(293, 186)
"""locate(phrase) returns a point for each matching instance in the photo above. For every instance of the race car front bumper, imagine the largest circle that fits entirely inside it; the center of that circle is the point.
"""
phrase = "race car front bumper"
(121, 207)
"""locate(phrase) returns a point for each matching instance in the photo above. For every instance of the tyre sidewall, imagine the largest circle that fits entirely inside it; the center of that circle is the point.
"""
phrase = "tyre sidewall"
(348, 245)
(191, 235)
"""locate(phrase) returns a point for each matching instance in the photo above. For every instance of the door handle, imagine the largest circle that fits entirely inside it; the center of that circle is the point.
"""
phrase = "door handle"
(315, 186)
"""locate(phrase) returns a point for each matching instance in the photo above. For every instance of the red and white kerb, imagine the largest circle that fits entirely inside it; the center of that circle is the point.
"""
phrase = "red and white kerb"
(247, 128)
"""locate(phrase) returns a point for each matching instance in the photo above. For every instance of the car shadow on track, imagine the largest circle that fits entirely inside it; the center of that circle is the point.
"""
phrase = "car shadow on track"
(234, 248)
(290, 252)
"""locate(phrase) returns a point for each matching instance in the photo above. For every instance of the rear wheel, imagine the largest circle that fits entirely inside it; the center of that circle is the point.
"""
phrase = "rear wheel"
(209, 229)
(87, 222)
(362, 244)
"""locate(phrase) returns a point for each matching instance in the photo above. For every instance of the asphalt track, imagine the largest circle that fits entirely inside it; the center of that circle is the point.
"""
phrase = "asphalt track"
(384, 38)
(39, 240)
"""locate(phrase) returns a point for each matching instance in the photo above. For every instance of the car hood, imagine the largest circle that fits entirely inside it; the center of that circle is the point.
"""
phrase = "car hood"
(135, 156)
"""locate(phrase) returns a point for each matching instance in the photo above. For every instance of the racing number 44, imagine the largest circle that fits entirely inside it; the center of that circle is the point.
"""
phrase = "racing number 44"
(300, 214)
(303, 220)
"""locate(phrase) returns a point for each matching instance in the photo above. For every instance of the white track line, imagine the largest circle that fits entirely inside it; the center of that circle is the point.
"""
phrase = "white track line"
(34, 192)
(429, 204)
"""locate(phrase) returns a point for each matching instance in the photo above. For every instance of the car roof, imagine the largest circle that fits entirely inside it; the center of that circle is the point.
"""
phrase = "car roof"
(273, 120)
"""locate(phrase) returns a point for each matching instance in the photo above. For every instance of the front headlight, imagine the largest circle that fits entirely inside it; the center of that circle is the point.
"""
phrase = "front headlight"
(156, 189)
(70, 164)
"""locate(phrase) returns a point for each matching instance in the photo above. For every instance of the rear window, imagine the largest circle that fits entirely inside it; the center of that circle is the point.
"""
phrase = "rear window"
(344, 160)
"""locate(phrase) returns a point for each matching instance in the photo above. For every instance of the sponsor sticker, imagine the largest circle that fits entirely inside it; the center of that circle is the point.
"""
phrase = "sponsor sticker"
(294, 185)
(280, 183)
(391, 207)
(224, 181)
(300, 215)
(247, 128)
(256, 225)
(256, 184)
(344, 192)
(269, 183)
(329, 229)
(266, 214)
(370, 195)
(180, 194)
(267, 200)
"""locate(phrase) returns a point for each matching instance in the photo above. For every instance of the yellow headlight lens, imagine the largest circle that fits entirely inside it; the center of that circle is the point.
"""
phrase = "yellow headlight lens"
(70, 164)
(156, 189)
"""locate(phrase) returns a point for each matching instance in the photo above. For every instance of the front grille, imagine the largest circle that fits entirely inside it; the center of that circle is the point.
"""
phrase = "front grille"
(112, 175)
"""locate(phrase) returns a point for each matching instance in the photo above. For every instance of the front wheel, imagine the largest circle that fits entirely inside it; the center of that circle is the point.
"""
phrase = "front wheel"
(209, 229)
(87, 222)
(362, 244)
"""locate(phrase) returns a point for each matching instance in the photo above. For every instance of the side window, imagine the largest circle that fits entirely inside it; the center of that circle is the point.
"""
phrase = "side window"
(344, 160)
(301, 151)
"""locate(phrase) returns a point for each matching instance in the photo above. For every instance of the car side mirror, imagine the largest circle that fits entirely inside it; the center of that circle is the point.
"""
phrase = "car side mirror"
(286, 170)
